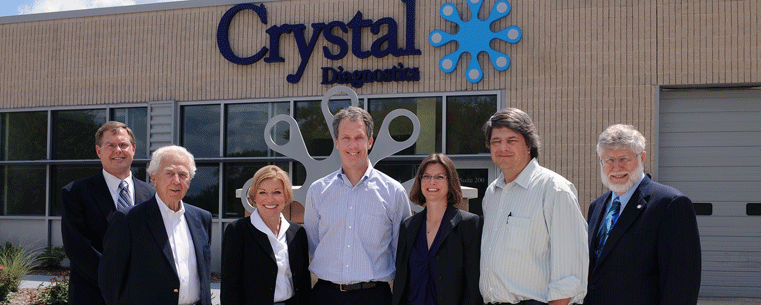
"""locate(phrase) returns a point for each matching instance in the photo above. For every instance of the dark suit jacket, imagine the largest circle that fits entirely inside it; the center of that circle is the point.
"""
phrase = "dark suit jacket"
(137, 266)
(249, 269)
(86, 206)
(652, 255)
(457, 260)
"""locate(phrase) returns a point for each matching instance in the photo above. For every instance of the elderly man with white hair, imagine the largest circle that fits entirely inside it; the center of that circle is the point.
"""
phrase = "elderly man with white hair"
(157, 252)
(644, 246)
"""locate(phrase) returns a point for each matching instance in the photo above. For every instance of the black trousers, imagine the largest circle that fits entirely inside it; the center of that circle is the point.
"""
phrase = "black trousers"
(323, 293)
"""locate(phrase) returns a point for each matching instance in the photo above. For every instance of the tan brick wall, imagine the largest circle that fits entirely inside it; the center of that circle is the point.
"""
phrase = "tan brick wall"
(580, 66)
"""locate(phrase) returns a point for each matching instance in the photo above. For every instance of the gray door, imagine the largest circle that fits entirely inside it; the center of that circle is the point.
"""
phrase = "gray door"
(709, 147)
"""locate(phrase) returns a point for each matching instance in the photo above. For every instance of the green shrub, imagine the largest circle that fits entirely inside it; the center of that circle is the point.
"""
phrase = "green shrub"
(55, 294)
(6, 283)
(51, 256)
(16, 262)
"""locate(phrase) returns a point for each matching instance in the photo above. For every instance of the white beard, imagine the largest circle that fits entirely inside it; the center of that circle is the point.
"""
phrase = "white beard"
(623, 188)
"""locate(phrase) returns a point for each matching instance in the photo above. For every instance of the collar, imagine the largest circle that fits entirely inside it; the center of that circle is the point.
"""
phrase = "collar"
(113, 182)
(165, 211)
(523, 178)
(259, 224)
(365, 176)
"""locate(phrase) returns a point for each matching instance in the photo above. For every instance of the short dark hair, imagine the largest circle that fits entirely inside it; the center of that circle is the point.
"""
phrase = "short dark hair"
(353, 113)
(518, 121)
(454, 195)
(113, 126)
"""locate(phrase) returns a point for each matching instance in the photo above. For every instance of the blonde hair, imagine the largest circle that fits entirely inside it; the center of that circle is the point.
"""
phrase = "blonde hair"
(272, 171)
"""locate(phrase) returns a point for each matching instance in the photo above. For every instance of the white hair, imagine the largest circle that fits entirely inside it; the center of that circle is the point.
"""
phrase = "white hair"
(180, 151)
(620, 136)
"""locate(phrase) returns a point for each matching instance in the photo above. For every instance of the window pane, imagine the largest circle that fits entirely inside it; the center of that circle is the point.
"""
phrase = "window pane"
(313, 127)
(200, 130)
(399, 171)
(236, 174)
(74, 133)
(245, 128)
(139, 171)
(427, 109)
(137, 120)
(22, 190)
(61, 175)
(465, 116)
(23, 135)
(478, 179)
(204, 189)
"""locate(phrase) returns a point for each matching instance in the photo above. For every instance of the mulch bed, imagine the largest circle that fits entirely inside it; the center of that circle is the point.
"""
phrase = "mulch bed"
(21, 297)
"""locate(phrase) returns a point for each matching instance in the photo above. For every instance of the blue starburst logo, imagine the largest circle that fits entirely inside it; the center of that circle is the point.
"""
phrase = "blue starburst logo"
(474, 37)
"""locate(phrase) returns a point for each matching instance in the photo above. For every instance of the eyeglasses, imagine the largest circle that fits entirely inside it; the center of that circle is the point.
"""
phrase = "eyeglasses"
(437, 177)
(112, 146)
(624, 161)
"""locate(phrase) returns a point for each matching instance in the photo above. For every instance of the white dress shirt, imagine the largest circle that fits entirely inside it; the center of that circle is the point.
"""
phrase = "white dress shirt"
(534, 244)
(113, 186)
(284, 280)
(184, 252)
(353, 230)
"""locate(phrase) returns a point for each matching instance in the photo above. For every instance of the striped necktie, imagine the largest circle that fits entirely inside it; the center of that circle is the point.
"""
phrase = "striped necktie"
(610, 220)
(124, 200)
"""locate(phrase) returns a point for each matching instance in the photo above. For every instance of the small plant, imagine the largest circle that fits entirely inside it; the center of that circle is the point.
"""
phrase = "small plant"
(16, 262)
(5, 284)
(51, 257)
(55, 294)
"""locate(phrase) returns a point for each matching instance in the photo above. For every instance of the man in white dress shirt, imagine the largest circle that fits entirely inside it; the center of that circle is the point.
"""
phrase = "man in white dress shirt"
(534, 243)
(157, 252)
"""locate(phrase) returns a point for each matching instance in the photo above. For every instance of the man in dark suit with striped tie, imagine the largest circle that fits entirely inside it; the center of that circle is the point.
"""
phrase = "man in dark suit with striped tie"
(88, 203)
(644, 246)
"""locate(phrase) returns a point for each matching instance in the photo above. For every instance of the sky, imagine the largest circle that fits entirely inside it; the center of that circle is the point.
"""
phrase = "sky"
(17, 7)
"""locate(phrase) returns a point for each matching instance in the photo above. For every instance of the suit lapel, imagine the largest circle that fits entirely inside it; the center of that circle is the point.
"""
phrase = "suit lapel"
(156, 224)
(453, 218)
(290, 234)
(595, 220)
(633, 209)
(196, 233)
(263, 240)
(416, 222)
(102, 195)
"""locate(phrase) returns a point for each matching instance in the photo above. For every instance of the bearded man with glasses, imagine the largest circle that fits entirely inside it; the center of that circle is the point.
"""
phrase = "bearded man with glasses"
(644, 246)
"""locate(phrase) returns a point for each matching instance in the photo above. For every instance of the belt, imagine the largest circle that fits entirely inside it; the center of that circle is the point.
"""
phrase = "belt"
(351, 287)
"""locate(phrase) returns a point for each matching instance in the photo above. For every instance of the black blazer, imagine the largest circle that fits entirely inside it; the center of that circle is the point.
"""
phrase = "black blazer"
(249, 269)
(652, 255)
(457, 259)
(137, 266)
(86, 206)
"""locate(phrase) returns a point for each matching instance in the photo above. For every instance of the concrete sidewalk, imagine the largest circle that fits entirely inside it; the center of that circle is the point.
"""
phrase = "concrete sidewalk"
(34, 281)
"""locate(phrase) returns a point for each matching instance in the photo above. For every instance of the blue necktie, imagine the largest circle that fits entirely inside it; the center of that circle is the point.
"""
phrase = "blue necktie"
(124, 200)
(610, 220)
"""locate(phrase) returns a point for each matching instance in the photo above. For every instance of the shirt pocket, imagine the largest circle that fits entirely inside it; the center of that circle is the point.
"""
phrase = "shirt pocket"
(518, 232)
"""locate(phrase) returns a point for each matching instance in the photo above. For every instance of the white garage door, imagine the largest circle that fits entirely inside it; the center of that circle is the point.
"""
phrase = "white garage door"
(710, 149)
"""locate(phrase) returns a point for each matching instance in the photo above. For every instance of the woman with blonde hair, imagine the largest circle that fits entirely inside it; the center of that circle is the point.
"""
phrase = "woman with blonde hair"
(265, 259)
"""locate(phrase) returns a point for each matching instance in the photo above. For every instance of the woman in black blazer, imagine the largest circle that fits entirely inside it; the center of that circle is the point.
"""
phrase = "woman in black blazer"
(265, 259)
(438, 255)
